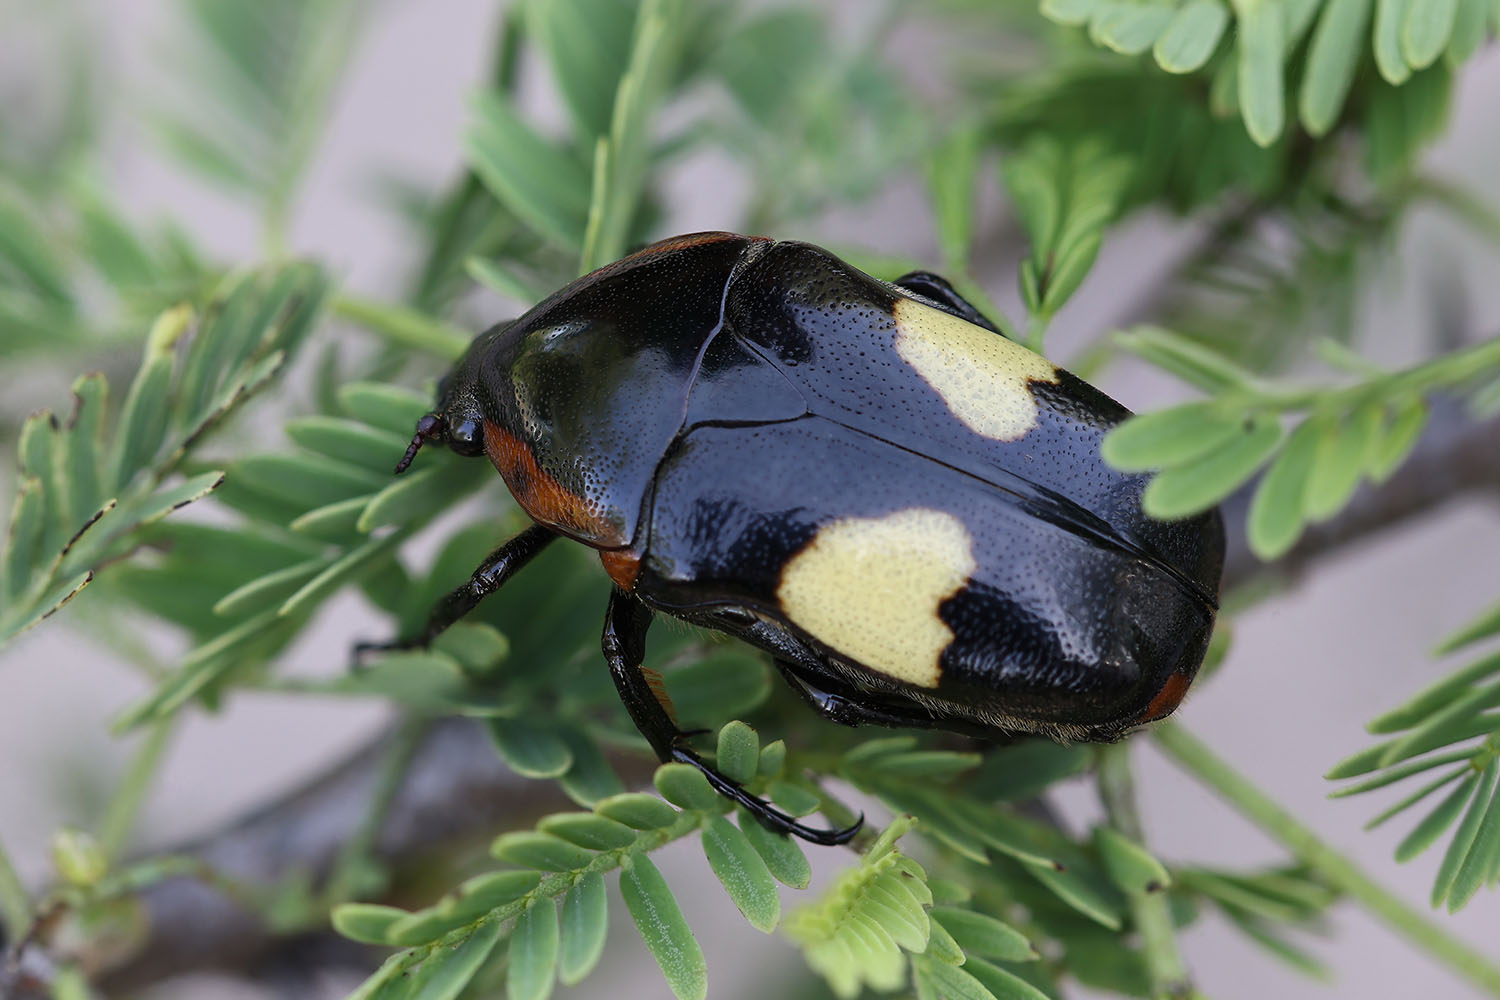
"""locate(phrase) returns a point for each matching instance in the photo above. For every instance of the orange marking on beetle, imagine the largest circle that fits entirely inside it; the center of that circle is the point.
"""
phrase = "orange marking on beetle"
(543, 497)
(659, 691)
(1167, 699)
(622, 565)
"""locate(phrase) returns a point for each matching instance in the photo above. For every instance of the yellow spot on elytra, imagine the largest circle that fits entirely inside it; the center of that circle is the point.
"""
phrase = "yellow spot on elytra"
(871, 589)
(983, 377)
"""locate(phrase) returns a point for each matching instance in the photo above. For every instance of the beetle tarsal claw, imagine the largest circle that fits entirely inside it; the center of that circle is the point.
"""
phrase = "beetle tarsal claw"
(429, 428)
(763, 810)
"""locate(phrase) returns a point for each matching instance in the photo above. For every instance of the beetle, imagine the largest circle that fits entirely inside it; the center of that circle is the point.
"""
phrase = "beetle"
(865, 479)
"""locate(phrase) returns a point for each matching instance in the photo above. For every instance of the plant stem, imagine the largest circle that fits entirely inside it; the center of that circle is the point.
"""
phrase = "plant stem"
(125, 805)
(1149, 910)
(1197, 759)
(405, 327)
(15, 904)
(348, 880)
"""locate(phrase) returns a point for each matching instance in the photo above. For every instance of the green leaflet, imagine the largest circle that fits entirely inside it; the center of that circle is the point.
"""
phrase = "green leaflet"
(1390, 18)
(1277, 509)
(530, 747)
(533, 952)
(585, 919)
(783, 856)
(543, 185)
(743, 873)
(588, 830)
(1261, 81)
(1191, 36)
(1188, 489)
(1337, 42)
(664, 929)
(981, 934)
(738, 753)
(1165, 438)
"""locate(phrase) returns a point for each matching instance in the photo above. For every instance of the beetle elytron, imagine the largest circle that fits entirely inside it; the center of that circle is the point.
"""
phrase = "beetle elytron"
(905, 509)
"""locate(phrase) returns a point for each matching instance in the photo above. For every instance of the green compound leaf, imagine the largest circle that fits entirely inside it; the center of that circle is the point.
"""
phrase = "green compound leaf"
(533, 953)
(664, 929)
(855, 935)
(1189, 489)
(1192, 36)
(743, 873)
(585, 921)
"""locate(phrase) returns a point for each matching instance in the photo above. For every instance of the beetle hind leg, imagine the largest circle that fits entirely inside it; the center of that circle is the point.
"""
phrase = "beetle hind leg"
(624, 642)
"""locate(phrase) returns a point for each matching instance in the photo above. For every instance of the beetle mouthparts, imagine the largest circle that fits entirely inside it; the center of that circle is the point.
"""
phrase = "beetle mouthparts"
(429, 428)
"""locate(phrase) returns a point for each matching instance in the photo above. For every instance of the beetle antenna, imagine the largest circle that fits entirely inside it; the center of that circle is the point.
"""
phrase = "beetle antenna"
(429, 428)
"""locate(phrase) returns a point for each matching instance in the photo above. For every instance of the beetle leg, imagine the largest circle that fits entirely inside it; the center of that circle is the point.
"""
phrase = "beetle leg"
(498, 567)
(626, 621)
(936, 288)
(851, 708)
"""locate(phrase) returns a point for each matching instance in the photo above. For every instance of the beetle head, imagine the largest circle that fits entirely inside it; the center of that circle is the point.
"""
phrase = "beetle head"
(459, 432)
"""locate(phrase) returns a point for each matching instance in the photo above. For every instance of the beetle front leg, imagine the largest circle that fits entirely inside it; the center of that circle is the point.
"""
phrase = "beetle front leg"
(498, 567)
(626, 621)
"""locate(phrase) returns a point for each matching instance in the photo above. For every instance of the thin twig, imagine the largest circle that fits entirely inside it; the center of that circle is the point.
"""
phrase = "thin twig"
(1195, 757)
(1150, 911)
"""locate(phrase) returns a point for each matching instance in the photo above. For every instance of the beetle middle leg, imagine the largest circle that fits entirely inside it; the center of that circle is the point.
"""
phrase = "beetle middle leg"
(498, 567)
(626, 621)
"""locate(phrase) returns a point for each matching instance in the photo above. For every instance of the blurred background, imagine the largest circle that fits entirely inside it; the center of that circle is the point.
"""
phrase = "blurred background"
(101, 93)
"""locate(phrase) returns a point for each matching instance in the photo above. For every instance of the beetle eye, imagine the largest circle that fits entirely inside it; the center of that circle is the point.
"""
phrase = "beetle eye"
(464, 437)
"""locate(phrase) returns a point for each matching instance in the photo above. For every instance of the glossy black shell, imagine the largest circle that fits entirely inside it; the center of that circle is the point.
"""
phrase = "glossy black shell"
(702, 409)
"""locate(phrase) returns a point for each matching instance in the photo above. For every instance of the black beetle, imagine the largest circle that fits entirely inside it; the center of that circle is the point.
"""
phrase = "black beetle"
(906, 509)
